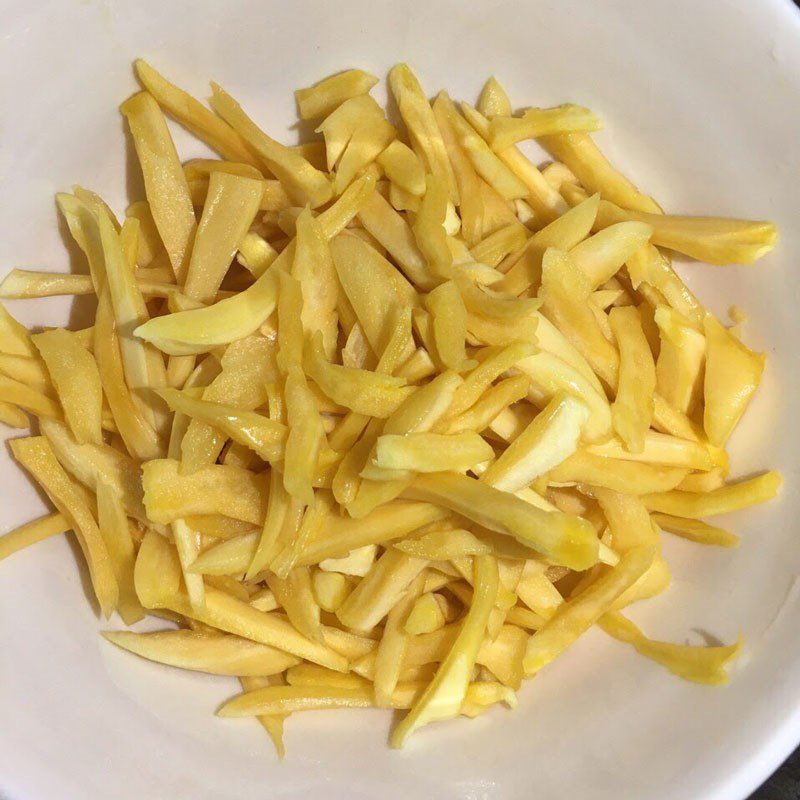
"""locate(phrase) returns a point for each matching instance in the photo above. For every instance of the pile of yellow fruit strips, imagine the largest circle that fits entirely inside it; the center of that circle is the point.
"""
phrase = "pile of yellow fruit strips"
(388, 418)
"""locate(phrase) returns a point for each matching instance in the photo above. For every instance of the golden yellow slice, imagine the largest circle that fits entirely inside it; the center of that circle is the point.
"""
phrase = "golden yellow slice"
(165, 184)
(395, 234)
(13, 416)
(227, 557)
(493, 100)
(215, 489)
(494, 362)
(12, 391)
(698, 664)
(303, 182)
(305, 437)
(392, 647)
(139, 435)
(632, 409)
(31, 533)
(429, 228)
(330, 589)
(490, 406)
(505, 131)
(115, 530)
(278, 511)
(157, 579)
(449, 326)
(498, 307)
(149, 245)
(728, 498)
(14, 338)
(695, 530)
(578, 614)
(202, 329)
(143, 366)
(230, 207)
(552, 437)
(32, 372)
(323, 97)
(36, 455)
(545, 201)
(290, 325)
(422, 128)
(565, 293)
(601, 255)
(216, 654)
(194, 116)
(425, 616)
(241, 378)
(651, 273)
(92, 464)
(582, 156)
(295, 595)
(732, 375)
(551, 376)
(666, 450)
(255, 253)
(403, 168)
(370, 393)
(261, 434)
(704, 481)
(272, 700)
(614, 473)
(389, 522)
(444, 695)
(486, 162)
(499, 245)
(272, 723)
(681, 361)
(77, 381)
(444, 543)
(339, 126)
(563, 233)
(563, 538)
(367, 142)
(23, 283)
(379, 590)
(374, 288)
(313, 268)
(431, 452)
(713, 240)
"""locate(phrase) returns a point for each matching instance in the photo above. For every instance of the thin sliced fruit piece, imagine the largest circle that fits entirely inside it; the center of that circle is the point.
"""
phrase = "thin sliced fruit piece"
(304, 182)
(165, 184)
(728, 498)
(563, 538)
(632, 409)
(732, 375)
(323, 97)
(216, 654)
(578, 614)
(35, 454)
(505, 131)
(421, 124)
(552, 437)
(31, 533)
(194, 116)
(443, 697)
(77, 380)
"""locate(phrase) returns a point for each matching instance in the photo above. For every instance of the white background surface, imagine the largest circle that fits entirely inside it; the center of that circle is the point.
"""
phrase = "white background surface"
(702, 108)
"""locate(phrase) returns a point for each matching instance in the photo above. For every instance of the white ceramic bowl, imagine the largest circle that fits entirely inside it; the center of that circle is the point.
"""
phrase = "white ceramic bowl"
(702, 106)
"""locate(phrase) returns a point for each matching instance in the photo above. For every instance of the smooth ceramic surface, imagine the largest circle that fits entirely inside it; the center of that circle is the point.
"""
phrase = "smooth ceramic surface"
(702, 106)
